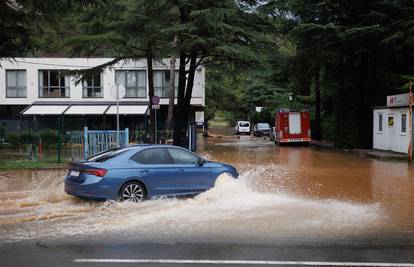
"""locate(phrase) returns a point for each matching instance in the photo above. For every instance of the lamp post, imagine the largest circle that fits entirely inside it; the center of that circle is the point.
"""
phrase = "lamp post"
(291, 100)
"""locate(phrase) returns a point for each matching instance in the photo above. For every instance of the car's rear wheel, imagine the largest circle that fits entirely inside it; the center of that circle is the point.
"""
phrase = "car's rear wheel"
(132, 191)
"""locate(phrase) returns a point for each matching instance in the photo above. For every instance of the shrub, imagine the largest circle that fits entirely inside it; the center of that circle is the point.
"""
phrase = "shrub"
(49, 137)
(13, 139)
(28, 138)
(2, 130)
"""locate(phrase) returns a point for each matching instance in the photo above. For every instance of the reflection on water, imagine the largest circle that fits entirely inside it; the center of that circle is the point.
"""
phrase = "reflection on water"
(282, 192)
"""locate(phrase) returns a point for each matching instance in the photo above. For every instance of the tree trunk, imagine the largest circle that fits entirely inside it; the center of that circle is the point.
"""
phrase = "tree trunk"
(170, 115)
(180, 125)
(190, 82)
(318, 128)
(151, 92)
(184, 101)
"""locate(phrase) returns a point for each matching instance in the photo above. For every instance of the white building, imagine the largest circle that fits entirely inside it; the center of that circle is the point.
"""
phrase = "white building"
(391, 130)
(36, 88)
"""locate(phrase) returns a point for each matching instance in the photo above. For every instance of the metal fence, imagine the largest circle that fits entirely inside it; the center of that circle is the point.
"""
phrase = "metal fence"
(142, 136)
(89, 142)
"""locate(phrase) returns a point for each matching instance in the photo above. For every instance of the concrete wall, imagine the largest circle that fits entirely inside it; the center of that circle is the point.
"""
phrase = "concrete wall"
(33, 65)
(391, 138)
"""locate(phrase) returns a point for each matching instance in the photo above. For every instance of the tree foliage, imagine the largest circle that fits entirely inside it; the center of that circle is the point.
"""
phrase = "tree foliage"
(352, 53)
(25, 24)
(338, 57)
(207, 32)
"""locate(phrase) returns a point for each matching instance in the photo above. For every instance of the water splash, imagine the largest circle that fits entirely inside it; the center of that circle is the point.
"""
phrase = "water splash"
(231, 210)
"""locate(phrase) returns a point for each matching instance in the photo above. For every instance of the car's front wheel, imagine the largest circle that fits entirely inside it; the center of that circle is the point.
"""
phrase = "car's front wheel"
(132, 191)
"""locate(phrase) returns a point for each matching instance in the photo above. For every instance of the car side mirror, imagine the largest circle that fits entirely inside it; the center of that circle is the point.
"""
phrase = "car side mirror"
(200, 162)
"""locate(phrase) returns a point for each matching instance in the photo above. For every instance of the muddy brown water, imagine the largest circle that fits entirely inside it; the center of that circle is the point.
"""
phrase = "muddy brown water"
(283, 192)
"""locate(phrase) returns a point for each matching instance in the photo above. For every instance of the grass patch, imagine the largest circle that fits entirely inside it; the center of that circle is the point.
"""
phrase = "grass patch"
(14, 159)
(28, 164)
(219, 121)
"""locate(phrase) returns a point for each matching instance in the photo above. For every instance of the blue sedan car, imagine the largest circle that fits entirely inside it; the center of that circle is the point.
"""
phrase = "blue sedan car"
(140, 172)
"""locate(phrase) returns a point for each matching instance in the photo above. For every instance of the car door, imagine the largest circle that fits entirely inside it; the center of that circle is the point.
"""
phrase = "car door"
(155, 168)
(191, 176)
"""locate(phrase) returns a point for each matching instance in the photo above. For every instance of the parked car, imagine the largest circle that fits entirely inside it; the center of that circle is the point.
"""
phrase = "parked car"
(261, 128)
(140, 172)
(242, 127)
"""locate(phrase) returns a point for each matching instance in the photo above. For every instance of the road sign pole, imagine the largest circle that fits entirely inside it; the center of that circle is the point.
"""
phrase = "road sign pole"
(117, 115)
(155, 127)
(155, 104)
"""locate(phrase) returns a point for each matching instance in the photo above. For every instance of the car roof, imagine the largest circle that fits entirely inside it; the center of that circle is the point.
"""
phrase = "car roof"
(142, 146)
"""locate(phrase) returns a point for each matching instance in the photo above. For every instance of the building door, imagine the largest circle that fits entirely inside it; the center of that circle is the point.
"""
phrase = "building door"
(391, 131)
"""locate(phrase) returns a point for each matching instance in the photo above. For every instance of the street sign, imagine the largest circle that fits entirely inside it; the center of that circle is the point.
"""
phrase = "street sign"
(155, 105)
(155, 100)
(199, 117)
(118, 92)
(400, 100)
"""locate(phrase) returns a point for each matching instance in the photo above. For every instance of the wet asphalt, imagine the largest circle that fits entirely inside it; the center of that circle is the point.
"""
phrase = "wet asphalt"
(316, 253)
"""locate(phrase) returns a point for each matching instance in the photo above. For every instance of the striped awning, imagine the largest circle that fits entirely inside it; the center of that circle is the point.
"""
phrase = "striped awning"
(86, 110)
(45, 110)
(128, 110)
(79, 109)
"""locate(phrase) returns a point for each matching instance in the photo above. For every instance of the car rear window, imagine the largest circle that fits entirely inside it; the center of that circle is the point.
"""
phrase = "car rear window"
(263, 125)
(244, 124)
(109, 154)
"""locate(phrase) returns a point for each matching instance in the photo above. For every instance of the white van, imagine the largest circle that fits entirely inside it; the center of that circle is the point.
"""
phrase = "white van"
(242, 127)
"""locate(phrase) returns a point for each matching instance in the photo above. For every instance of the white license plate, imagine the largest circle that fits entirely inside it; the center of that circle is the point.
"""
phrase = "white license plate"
(74, 173)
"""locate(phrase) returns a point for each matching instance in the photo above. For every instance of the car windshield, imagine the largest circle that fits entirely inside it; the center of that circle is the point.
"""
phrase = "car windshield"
(108, 154)
(244, 124)
(263, 126)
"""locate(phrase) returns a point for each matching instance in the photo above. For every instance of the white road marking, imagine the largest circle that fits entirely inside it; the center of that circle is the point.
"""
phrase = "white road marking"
(245, 262)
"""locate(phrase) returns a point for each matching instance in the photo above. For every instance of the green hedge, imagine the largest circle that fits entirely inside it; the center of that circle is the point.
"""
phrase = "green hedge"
(48, 137)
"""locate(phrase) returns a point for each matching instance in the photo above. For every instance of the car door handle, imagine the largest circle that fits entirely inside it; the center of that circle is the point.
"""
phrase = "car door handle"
(180, 170)
(144, 171)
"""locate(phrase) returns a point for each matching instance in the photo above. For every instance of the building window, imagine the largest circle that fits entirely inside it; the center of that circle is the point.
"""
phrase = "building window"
(53, 83)
(162, 83)
(403, 123)
(390, 121)
(134, 81)
(92, 86)
(16, 83)
(380, 122)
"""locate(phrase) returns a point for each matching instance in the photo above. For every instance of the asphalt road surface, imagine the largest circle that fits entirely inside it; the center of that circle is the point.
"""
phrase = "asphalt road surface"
(285, 253)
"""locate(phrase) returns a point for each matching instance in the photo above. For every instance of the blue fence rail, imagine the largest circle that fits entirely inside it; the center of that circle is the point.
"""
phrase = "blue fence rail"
(90, 142)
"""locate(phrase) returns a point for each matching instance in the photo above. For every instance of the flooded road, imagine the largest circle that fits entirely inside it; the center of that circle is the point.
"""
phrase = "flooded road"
(282, 193)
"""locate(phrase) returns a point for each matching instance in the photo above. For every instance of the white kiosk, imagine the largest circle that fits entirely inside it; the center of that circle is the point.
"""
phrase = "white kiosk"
(392, 129)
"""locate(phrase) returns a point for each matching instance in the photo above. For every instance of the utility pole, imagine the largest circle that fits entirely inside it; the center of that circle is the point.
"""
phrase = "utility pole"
(410, 121)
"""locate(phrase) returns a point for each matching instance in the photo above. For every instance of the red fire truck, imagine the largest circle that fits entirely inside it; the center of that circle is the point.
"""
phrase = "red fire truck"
(292, 126)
